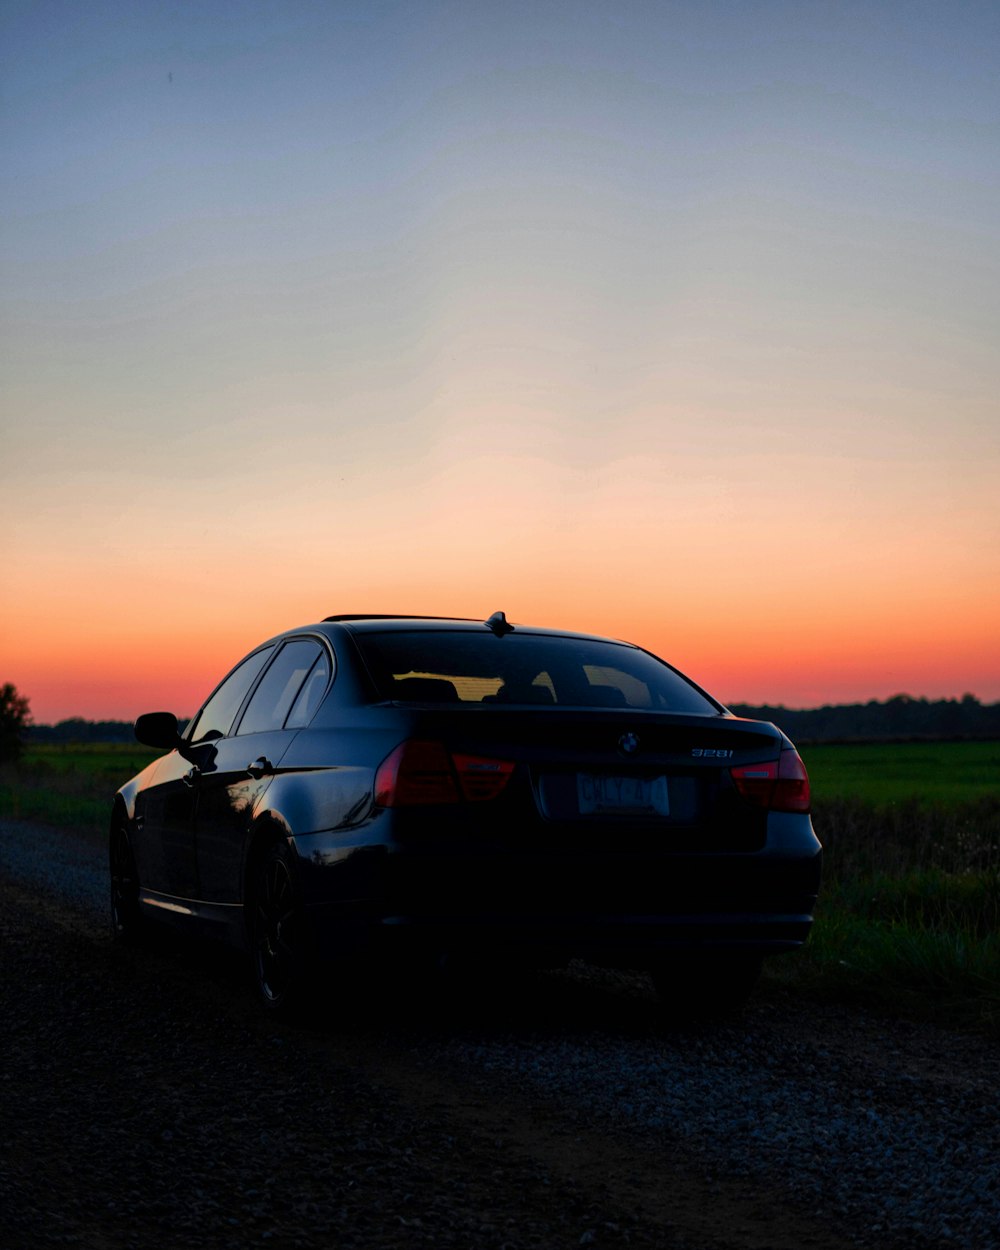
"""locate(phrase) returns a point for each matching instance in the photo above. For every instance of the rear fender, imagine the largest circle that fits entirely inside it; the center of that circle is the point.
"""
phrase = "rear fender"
(312, 800)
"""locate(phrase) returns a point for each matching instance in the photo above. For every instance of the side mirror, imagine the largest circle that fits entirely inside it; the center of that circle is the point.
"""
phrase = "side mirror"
(158, 729)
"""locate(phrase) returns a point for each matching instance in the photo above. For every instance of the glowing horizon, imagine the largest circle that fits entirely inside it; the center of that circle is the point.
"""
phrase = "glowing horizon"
(179, 681)
(676, 324)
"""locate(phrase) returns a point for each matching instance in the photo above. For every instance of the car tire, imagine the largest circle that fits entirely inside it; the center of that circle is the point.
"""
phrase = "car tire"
(706, 987)
(280, 945)
(127, 925)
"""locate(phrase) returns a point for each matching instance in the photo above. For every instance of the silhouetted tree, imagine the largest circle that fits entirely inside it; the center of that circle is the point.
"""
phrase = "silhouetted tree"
(15, 717)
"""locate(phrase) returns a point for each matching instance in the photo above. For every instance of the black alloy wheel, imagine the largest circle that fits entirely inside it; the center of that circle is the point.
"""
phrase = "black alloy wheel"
(278, 938)
(126, 917)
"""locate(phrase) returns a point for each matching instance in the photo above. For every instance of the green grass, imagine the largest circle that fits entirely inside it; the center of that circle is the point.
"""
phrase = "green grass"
(69, 784)
(942, 970)
(909, 914)
(118, 760)
(892, 772)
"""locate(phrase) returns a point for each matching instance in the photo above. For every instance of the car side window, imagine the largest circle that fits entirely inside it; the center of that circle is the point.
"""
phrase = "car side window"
(216, 718)
(311, 694)
(279, 687)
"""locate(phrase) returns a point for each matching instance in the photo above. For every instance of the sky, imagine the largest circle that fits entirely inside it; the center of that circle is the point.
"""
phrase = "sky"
(677, 322)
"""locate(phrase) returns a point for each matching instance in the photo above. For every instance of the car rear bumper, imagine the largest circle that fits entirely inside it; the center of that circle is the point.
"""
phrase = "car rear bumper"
(629, 909)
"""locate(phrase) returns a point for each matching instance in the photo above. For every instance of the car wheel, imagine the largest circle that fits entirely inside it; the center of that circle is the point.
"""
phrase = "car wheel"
(709, 987)
(126, 917)
(279, 942)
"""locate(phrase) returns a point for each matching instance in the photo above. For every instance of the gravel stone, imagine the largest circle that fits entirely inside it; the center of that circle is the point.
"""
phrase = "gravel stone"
(145, 1099)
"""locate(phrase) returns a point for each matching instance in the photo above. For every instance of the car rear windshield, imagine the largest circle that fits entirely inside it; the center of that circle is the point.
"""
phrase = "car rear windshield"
(451, 666)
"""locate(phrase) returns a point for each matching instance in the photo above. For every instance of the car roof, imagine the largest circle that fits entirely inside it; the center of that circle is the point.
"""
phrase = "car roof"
(378, 617)
(383, 622)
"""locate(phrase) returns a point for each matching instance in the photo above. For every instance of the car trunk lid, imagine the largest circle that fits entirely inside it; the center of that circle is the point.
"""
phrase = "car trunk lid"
(578, 772)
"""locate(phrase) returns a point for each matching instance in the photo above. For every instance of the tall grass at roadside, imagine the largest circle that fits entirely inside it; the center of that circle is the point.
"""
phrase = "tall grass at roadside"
(909, 913)
(863, 839)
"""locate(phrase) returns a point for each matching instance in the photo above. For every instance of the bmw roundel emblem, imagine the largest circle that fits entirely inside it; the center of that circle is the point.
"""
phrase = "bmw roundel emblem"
(629, 743)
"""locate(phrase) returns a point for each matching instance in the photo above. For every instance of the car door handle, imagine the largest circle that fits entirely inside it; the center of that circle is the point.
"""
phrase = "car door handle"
(260, 766)
(191, 776)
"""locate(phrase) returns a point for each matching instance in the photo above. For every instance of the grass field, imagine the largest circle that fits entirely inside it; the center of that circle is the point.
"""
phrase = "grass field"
(101, 760)
(891, 772)
(70, 784)
(909, 916)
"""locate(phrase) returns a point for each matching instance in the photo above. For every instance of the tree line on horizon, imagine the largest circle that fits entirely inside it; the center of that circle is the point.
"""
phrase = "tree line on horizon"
(898, 718)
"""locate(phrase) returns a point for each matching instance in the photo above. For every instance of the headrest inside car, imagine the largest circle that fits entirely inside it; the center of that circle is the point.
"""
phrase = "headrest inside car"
(425, 690)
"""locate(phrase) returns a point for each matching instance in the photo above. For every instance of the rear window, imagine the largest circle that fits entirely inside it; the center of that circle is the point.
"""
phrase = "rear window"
(442, 666)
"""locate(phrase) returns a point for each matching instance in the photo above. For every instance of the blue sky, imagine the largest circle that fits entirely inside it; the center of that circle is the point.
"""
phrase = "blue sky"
(343, 284)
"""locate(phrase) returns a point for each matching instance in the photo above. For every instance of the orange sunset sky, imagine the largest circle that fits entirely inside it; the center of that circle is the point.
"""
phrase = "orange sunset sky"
(673, 321)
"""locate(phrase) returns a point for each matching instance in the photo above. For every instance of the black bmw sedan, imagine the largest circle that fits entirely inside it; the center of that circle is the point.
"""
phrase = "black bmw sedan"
(398, 788)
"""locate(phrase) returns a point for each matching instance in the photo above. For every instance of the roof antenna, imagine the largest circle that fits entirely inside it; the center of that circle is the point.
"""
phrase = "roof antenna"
(498, 623)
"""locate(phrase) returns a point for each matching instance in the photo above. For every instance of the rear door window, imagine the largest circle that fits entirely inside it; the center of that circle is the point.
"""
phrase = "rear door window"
(311, 694)
(279, 687)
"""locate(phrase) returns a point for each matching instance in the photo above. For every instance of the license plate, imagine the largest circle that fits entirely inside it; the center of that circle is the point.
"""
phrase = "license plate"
(602, 795)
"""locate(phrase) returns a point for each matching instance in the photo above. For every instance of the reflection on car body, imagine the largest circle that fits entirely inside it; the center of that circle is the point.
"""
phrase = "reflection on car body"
(399, 788)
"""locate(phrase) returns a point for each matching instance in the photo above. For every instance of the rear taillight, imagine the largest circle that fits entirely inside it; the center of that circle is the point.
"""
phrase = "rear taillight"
(425, 772)
(416, 772)
(780, 785)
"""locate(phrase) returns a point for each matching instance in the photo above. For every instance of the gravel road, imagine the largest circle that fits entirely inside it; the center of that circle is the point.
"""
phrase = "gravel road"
(146, 1101)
